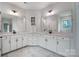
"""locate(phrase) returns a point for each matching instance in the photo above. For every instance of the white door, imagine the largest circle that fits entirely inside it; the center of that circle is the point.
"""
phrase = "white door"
(51, 44)
(13, 42)
(19, 41)
(5, 44)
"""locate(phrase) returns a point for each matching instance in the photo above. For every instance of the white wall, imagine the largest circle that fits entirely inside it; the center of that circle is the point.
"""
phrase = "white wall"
(77, 28)
(0, 30)
(37, 15)
(18, 24)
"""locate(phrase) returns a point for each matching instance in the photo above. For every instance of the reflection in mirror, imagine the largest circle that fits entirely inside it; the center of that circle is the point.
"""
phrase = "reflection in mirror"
(11, 23)
(6, 24)
(65, 22)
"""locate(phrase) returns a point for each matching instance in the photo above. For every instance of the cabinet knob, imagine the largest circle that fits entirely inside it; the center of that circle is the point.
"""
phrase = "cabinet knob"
(0, 36)
(46, 40)
(57, 42)
(62, 38)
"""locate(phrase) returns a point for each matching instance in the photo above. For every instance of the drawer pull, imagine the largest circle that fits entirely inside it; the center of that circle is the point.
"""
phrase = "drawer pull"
(9, 41)
(16, 40)
(46, 40)
(57, 42)
(0, 36)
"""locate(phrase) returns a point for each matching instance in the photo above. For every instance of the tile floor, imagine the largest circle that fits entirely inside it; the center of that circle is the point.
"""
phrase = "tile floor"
(32, 52)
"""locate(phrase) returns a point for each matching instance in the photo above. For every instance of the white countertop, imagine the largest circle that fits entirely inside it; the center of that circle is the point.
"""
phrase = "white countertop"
(70, 35)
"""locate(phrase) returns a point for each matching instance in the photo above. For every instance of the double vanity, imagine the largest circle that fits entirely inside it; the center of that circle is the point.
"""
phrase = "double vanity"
(54, 43)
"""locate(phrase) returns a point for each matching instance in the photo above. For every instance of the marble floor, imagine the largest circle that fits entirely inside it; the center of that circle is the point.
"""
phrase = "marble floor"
(31, 52)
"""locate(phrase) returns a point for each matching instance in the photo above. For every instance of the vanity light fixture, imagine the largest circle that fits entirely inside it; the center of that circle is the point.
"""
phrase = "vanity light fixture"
(50, 12)
(25, 2)
(14, 11)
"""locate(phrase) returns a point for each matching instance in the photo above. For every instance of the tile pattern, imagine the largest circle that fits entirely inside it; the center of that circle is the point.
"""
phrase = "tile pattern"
(32, 52)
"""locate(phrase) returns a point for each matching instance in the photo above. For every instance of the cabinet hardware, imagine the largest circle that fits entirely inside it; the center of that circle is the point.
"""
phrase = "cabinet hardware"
(46, 40)
(57, 42)
(62, 38)
(16, 40)
(9, 42)
(6, 37)
(0, 36)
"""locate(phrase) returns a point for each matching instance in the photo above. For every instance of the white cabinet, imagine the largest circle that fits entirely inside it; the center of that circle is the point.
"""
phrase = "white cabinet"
(25, 41)
(56, 44)
(63, 46)
(42, 41)
(51, 43)
(35, 40)
(19, 42)
(13, 42)
(30, 41)
(6, 44)
(16, 42)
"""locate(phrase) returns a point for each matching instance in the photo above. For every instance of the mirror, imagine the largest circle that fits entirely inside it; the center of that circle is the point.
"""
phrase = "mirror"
(65, 22)
(6, 23)
(60, 22)
(11, 23)
(49, 24)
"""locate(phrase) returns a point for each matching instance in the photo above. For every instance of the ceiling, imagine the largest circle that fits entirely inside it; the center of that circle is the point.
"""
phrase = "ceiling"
(32, 5)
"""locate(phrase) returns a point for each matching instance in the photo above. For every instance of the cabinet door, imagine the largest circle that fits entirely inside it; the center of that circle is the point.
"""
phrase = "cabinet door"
(19, 41)
(51, 44)
(63, 46)
(30, 41)
(34, 40)
(60, 43)
(25, 41)
(13, 42)
(5, 44)
(42, 41)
